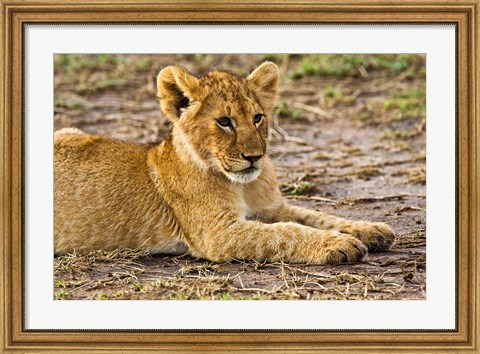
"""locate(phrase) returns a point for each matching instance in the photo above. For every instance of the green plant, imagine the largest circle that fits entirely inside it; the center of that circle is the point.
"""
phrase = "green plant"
(301, 188)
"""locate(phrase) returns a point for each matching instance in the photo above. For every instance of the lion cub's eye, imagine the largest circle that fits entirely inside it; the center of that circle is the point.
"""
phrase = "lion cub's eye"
(225, 122)
(257, 118)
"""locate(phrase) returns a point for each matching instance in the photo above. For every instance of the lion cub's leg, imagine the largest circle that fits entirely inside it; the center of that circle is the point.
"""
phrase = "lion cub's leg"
(288, 242)
(264, 198)
(377, 236)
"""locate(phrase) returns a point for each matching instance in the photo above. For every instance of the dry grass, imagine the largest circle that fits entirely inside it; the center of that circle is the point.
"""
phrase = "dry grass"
(133, 274)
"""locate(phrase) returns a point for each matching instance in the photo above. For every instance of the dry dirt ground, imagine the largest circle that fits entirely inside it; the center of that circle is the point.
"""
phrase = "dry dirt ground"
(348, 139)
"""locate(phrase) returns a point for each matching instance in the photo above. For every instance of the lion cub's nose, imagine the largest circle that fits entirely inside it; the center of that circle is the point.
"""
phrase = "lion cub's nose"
(251, 158)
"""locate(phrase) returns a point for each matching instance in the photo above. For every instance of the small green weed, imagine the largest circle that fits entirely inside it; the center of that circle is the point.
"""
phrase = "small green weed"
(61, 295)
(396, 135)
(407, 104)
(301, 188)
(139, 287)
(363, 116)
(283, 109)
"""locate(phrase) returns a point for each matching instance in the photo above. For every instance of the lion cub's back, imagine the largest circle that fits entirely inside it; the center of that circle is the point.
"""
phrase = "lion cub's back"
(104, 197)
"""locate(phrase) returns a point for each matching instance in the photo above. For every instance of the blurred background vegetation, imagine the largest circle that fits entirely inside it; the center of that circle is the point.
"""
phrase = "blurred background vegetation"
(369, 88)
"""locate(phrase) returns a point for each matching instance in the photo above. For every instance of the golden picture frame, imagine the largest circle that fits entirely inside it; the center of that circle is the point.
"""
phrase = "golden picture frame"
(464, 15)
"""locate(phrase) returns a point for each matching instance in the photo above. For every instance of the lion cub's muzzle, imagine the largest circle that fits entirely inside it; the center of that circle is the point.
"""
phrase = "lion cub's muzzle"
(244, 170)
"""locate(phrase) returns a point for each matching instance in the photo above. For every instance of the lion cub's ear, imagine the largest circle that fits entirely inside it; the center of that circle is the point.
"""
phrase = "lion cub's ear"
(264, 81)
(176, 89)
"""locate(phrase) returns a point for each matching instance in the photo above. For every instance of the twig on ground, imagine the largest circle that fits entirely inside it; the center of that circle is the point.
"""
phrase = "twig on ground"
(394, 162)
(395, 80)
(319, 199)
(317, 110)
(363, 71)
(81, 286)
(352, 201)
(279, 154)
(259, 290)
(407, 207)
(315, 274)
(283, 134)
(384, 86)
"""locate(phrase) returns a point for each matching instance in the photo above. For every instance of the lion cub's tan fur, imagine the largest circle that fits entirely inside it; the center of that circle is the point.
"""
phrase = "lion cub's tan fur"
(209, 188)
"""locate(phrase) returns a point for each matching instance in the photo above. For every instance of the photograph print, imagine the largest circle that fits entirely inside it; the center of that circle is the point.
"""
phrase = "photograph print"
(240, 176)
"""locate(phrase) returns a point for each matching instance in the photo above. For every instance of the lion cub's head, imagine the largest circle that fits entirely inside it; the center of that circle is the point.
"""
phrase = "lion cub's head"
(221, 119)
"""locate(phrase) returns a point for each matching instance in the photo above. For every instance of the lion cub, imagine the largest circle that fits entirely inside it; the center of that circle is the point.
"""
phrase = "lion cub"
(209, 189)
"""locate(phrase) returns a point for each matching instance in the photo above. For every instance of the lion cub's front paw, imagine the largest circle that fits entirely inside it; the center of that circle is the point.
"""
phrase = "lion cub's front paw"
(343, 248)
(377, 236)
